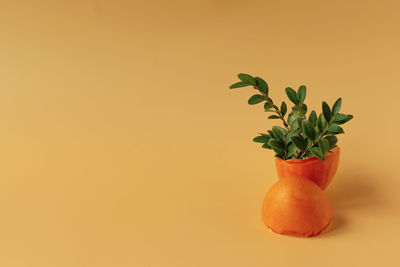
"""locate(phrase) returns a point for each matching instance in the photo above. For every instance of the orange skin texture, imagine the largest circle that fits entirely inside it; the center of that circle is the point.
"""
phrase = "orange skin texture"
(296, 206)
(318, 171)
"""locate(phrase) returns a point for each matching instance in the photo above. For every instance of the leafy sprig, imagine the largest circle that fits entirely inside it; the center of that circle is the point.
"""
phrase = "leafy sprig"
(300, 137)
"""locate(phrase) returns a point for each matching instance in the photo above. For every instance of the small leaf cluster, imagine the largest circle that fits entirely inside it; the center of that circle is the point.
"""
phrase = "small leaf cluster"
(301, 136)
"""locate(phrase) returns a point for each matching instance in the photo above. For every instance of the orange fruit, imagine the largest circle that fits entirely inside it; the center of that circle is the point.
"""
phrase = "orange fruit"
(296, 206)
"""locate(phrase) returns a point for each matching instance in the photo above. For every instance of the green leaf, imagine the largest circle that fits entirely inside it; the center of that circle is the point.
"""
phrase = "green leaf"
(328, 133)
(247, 78)
(316, 151)
(262, 85)
(322, 124)
(324, 145)
(310, 143)
(271, 133)
(268, 105)
(300, 122)
(279, 152)
(326, 111)
(273, 117)
(238, 85)
(334, 128)
(293, 120)
(255, 99)
(299, 142)
(291, 94)
(293, 117)
(280, 133)
(316, 131)
(342, 118)
(313, 118)
(291, 150)
(293, 132)
(261, 139)
(336, 106)
(303, 109)
(283, 130)
(308, 129)
(277, 146)
(283, 108)
(332, 140)
(276, 143)
(294, 125)
(301, 94)
(266, 146)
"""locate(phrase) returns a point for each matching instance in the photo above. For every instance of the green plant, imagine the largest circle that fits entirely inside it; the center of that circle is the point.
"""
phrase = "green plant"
(301, 136)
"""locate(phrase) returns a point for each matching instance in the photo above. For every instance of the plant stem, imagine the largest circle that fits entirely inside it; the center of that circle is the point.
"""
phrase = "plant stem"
(278, 112)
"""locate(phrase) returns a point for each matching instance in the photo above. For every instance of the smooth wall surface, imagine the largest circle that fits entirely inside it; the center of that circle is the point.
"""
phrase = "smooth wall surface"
(121, 144)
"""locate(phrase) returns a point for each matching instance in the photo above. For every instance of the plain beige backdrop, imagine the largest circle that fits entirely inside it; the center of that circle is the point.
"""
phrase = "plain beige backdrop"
(121, 144)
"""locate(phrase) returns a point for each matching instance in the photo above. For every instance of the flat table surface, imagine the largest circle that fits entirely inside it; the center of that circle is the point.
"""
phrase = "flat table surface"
(121, 144)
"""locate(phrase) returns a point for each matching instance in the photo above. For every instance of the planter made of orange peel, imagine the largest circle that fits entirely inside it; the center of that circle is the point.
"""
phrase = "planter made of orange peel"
(318, 171)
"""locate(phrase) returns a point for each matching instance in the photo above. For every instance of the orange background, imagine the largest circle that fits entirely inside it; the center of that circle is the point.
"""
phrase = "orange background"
(121, 144)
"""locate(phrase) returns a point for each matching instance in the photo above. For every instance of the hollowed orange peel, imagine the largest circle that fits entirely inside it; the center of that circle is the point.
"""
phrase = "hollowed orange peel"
(318, 171)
